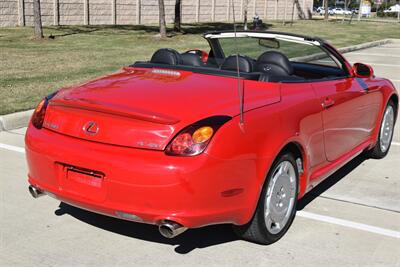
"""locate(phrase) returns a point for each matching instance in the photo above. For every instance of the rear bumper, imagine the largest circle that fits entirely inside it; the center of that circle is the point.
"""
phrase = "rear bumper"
(193, 191)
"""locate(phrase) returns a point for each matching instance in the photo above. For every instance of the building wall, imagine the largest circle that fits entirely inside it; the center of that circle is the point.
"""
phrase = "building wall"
(97, 12)
(8, 12)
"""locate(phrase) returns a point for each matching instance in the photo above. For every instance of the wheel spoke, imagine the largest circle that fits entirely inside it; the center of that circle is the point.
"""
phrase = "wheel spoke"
(285, 167)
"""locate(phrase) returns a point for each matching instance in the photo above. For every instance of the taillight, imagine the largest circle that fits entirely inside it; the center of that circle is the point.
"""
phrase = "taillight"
(40, 111)
(194, 139)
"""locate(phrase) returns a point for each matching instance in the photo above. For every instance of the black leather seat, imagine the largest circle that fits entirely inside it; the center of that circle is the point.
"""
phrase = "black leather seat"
(166, 56)
(230, 63)
(274, 62)
(274, 67)
(190, 59)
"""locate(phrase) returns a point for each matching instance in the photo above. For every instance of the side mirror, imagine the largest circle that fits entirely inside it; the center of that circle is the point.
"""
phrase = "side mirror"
(361, 70)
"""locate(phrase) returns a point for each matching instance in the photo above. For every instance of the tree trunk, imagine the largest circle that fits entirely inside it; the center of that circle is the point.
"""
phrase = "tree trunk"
(163, 27)
(326, 15)
(285, 13)
(37, 19)
(178, 18)
(359, 10)
(245, 8)
(345, 9)
(292, 20)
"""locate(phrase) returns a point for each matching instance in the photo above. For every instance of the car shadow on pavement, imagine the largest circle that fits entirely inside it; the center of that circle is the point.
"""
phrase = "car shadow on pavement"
(330, 181)
(193, 238)
(185, 243)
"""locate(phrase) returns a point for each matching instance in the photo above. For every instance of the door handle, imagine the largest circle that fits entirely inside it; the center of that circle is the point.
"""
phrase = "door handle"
(328, 102)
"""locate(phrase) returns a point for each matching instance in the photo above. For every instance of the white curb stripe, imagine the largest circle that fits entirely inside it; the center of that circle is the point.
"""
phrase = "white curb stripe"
(13, 148)
(350, 224)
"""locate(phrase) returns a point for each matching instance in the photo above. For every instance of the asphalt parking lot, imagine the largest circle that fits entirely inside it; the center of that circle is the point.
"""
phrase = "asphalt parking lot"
(351, 219)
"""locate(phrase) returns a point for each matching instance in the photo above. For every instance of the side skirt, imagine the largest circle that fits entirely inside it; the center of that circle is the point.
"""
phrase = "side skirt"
(321, 174)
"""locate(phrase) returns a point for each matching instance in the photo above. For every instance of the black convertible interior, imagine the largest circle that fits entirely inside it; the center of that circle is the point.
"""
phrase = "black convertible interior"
(270, 66)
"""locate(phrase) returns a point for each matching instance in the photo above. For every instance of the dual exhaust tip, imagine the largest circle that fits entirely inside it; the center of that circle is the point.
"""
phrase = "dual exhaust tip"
(171, 229)
(36, 192)
(167, 228)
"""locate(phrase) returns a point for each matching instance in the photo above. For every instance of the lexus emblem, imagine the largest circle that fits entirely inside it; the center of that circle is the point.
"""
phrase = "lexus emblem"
(267, 68)
(91, 128)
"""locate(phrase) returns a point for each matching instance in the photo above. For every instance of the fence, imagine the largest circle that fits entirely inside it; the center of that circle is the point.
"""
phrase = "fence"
(95, 12)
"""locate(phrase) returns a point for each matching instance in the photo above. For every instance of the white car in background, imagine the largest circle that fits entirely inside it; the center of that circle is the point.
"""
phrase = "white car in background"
(322, 11)
(341, 11)
(392, 9)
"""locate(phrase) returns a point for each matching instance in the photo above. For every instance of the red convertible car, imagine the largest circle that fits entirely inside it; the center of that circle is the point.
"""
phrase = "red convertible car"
(234, 135)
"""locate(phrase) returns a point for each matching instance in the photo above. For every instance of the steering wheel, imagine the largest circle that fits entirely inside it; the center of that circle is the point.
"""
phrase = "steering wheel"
(201, 53)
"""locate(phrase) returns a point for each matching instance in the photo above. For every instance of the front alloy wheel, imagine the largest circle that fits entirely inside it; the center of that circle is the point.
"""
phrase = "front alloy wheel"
(386, 131)
(277, 205)
(280, 197)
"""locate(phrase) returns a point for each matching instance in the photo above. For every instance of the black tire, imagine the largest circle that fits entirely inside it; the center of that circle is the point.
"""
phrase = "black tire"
(256, 230)
(376, 152)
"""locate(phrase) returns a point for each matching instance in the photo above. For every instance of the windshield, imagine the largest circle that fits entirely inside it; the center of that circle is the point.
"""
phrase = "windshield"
(295, 51)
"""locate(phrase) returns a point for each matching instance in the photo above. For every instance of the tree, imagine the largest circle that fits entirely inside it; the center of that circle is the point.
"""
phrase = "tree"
(326, 15)
(37, 19)
(178, 16)
(163, 26)
(245, 9)
(359, 10)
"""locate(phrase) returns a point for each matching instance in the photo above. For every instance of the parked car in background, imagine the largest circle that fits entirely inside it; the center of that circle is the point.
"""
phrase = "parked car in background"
(341, 11)
(392, 9)
(330, 11)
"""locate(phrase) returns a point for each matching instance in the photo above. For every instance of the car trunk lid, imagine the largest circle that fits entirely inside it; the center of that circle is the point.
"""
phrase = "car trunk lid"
(145, 108)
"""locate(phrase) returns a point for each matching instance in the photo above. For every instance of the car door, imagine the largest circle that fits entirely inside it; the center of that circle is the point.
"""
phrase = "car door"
(349, 105)
(344, 115)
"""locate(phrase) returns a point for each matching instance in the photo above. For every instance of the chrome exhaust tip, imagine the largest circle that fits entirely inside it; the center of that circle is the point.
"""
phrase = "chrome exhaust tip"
(35, 192)
(170, 229)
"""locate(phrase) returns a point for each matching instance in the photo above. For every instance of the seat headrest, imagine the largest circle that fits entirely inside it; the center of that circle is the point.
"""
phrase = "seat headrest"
(270, 58)
(230, 63)
(166, 56)
(190, 59)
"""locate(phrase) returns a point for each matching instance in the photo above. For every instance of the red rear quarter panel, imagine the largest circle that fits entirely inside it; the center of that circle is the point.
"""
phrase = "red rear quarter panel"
(266, 131)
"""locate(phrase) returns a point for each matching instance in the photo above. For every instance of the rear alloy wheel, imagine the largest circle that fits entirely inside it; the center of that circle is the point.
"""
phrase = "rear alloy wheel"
(277, 205)
(386, 130)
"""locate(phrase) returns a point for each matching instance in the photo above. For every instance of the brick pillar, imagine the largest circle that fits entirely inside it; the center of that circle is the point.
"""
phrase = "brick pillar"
(228, 9)
(265, 9)
(197, 10)
(138, 11)
(21, 13)
(114, 12)
(56, 13)
(213, 10)
(86, 12)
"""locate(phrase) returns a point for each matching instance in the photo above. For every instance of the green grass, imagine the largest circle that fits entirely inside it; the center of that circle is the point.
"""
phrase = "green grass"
(30, 69)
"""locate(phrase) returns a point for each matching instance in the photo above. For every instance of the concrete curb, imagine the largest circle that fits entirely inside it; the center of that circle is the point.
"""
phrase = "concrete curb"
(344, 50)
(15, 120)
(365, 45)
